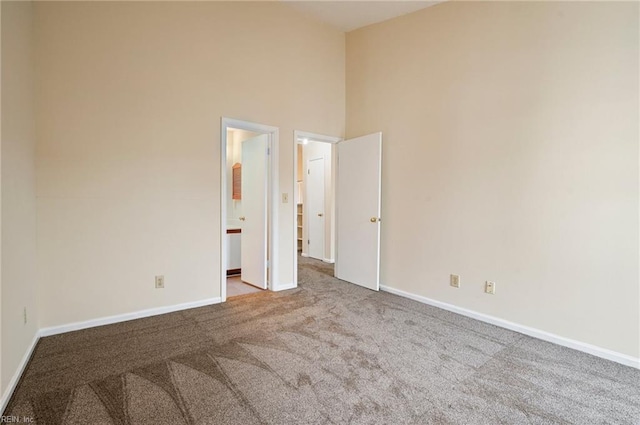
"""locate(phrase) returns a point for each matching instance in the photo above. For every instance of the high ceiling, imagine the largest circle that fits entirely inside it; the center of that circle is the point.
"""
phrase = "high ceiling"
(350, 15)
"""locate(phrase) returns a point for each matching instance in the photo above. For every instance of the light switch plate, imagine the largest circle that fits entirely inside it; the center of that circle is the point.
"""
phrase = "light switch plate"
(490, 287)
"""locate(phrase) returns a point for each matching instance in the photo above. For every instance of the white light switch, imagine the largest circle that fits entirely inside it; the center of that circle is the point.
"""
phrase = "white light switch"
(285, 198)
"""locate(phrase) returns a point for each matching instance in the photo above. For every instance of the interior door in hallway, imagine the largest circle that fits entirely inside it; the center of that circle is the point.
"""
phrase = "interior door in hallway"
(358, 210)
(254, 211)
(315, 208)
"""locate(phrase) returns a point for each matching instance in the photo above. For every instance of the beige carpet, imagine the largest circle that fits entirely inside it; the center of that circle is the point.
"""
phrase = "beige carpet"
(326, 353)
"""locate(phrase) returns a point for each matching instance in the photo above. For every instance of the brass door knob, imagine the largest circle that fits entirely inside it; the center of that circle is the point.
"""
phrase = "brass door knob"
(374, 219)
(320, 214)
(241, 218)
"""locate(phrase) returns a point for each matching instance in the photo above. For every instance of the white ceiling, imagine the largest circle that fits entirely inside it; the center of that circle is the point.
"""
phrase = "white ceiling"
(350, 15)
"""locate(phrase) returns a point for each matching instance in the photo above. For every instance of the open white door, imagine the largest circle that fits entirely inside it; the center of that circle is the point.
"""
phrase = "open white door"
(315, 208)
(358, 211)
(254, 208)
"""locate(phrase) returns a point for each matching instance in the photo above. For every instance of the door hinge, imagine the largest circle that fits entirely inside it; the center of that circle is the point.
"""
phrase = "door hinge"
(308, 242)
(268, 151)
(309, 171)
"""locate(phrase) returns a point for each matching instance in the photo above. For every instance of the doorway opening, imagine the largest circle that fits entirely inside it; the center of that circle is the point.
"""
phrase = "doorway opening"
(248, 217)
(315, 177)
(349, 212)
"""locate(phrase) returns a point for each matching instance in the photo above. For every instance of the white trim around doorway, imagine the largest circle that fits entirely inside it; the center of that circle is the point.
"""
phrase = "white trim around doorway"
(298, 136)
(272, 199)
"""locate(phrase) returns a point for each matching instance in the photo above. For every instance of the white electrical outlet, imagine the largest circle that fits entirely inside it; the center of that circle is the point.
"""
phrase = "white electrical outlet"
(454, 280)
(490, 287)
(159, 282)
(25, 315)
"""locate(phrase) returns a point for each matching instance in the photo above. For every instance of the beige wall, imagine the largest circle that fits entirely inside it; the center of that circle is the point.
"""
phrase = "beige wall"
(129, 105)
(18, 188)
(299, 171)
(510, 154)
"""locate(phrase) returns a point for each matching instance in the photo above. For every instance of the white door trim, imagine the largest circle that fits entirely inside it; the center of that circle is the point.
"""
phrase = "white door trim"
(272, 197)
(297, 137)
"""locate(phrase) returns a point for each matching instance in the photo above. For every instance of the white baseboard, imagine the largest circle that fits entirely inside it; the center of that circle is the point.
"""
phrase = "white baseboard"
(55, 330)
(325, 260)
(536, 333)
(8, 392)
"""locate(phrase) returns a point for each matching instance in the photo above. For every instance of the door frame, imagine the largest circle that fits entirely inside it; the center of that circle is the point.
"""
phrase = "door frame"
(298, 136)
(272, 192)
